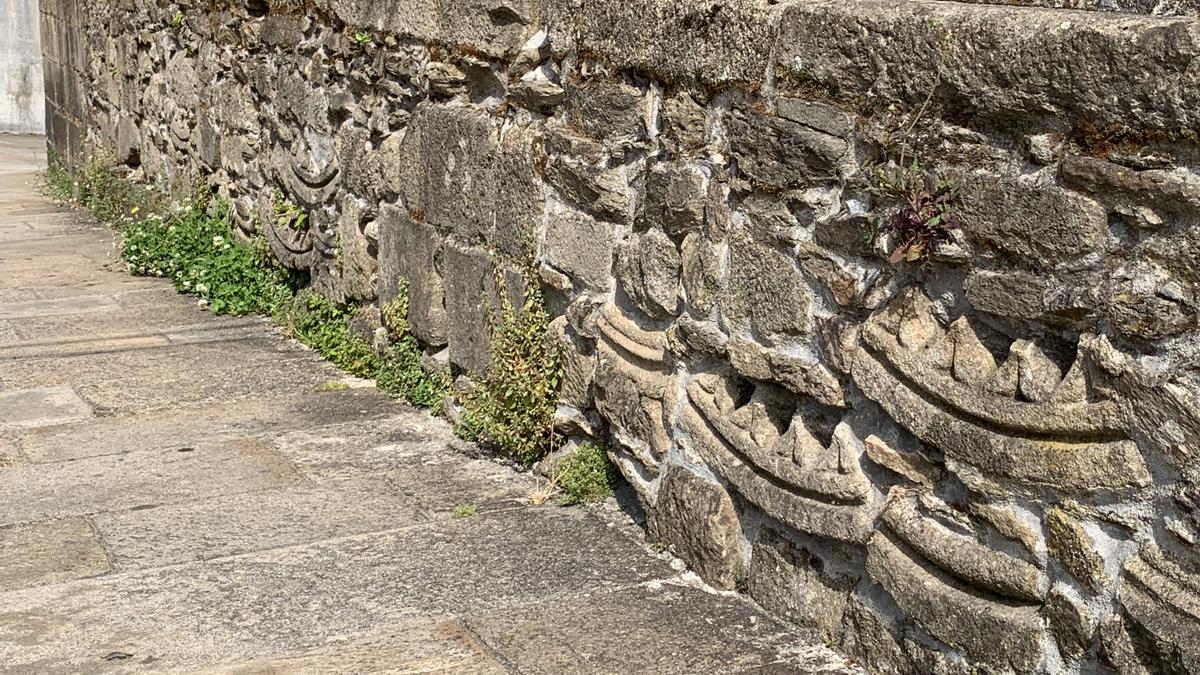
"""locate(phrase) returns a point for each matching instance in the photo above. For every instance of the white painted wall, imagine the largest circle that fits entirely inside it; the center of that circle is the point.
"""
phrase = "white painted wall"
(22, 103)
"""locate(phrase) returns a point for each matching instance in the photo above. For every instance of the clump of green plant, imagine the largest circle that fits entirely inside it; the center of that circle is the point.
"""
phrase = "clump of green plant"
(514, 403)
(332, 385)
(364, 38)
(926, 216)
(586, 475)
(465, 511)
(56, 183)
(402, 373)
(290, 215)
(192, 244)
(176, 22)
(319, 323)
(111, 199)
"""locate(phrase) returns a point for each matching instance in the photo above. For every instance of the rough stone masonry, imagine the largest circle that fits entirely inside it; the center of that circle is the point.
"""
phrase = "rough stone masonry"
(982, 458)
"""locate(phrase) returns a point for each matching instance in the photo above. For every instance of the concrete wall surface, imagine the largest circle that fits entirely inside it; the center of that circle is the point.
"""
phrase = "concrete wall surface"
(22, 103)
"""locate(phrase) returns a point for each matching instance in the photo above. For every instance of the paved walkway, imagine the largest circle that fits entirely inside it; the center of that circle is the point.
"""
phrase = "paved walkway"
(183, 493)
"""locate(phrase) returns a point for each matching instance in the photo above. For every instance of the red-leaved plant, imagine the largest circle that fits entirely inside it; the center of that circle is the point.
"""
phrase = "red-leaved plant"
(926, 215)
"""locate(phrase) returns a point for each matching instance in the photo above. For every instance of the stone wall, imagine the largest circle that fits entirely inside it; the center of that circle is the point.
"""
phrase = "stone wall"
(976, 453)
(21, 95)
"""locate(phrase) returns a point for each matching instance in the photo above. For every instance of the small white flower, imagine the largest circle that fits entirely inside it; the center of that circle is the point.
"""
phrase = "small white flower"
(218, 240)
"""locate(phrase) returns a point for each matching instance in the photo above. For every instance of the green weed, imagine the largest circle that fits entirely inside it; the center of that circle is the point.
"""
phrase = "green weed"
(465, 511)
(364, 38)
(514, 404)
(193, 246)
(587, 476)
(288, 214)
(332, 385)
(319, 323)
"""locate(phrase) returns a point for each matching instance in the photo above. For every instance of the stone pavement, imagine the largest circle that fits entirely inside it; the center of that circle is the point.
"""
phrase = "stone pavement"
(184, 493)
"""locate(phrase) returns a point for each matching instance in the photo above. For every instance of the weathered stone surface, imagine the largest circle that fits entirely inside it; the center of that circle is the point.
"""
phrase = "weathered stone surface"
(1004, 635)
(41, 407)
(703, 268)
(801, 374)
(910, 465)
(789, 475)
(674, 42)
(660, 628)
(410, 257)
(49, 552)
(608, 111)
(582, 247)
(1175, 192)
(969, 560)
(1067, 541)
(496, 29)
(674, 199)
(1033, 225)
(767, 290)
(1070, 621)
(791, 581)
(602, 192)
(448, 174)
(1162, 598)
(778, 154)
(648, 267)
(1039, 63)
(470, 288)
(696, 518)
(634, 389)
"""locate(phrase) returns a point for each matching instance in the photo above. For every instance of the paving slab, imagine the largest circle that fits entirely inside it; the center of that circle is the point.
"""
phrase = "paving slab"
(41, 407)
(49, 552)
(659, 627)
(246, 607)
(435, 645)
(260, 417)
(34, 492)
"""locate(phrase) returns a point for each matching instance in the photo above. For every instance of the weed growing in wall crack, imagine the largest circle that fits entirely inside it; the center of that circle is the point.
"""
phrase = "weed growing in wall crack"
(402, 373)
(514, 404)
(926, 215)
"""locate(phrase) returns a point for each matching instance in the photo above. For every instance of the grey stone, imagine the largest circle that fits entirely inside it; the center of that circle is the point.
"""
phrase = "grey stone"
(804, 376)
(1157, 595)
(411, 253)
(47, 553)
(582, 247)
(471, 295)
(703, 264)
(520, 195)
(648, 267)
(1040, 68)
(674, 198)
(696, 518)
(993, 632)
(766, 290)
(496, 29)
(538, 89)
(41, 407)
(447, 174)
(684, 123)
(779, 154)
(967, 559)
(608, 111)
(1035, 226)
(149, 477)
(675, 43)
(1070, 621)
(689, 336)
(816, 115)
(1176, 192)
(601, 192)
(793, 582)
(579, 365)
(663, 628)
(1068, 543)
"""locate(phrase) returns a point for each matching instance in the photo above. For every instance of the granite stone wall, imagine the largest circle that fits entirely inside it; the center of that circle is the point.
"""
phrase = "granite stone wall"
(887, 310)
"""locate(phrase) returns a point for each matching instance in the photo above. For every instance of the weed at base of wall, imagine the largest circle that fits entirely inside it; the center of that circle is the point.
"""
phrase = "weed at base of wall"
(514, 403)
(586, 476)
